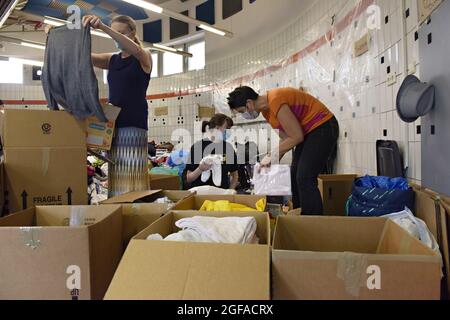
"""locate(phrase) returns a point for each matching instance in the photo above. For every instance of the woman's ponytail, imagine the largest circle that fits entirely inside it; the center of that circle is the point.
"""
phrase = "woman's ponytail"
(204, 125)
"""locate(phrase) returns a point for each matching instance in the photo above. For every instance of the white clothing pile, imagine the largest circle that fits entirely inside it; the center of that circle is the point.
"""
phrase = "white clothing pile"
(231, 230)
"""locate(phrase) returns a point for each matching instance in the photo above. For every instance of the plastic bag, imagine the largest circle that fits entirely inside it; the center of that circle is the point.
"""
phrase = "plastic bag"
(273, 181)
(383, 183)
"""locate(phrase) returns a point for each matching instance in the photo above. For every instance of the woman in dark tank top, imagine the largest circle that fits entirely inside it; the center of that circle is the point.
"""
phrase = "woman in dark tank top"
(128, 79)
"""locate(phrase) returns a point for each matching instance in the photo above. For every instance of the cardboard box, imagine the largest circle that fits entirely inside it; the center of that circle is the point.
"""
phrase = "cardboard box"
(161, 111)
(206, 112)
(44, 258)
(164, 270)
(196, 202)
(2, 189)
(164, 182)
(138, 216)
(45, 159)
(99, 135)
(40, 128)
(340, 258)
(335, 190)
(445, 209)
(426, 8)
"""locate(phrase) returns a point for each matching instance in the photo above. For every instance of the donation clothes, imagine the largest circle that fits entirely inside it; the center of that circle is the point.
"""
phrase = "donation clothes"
(204, 148)
(68, 77)
(225, 205)
(210, 190)
(231, 230)
(215, 161)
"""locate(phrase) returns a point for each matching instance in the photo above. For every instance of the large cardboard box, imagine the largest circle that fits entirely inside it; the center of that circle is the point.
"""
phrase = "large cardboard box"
(45, 159)
(164, 182)
(196, 202)
(99, 135)
(164, 270)
(2, 188)
(344, 258)
(335, 190)
(43, 257)
(139, 211)
(445, 209)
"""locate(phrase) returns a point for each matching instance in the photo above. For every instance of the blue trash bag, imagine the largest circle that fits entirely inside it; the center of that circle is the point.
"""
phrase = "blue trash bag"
(178, 159)
(378, 196)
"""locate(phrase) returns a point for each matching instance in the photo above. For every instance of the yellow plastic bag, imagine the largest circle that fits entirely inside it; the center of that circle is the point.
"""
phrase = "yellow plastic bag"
(225, 205)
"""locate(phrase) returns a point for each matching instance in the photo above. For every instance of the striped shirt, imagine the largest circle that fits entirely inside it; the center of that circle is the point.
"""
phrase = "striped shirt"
(310, 112)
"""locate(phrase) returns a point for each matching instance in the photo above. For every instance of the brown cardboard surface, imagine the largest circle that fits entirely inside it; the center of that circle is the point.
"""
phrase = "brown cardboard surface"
(445, 209)
(131, 197)
(40, 251)
(40, 128)
(2, 188)
(195, 203)
(49, 176)
(138, 216)
(164, 182)
(335, 190)
(99, 135)
(161, 111)
(361, 46)
(426, 8)
(206, 112)
(178, 270)
(329, 258)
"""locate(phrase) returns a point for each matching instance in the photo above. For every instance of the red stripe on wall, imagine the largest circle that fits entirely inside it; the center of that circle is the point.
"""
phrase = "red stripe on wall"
(329, 36)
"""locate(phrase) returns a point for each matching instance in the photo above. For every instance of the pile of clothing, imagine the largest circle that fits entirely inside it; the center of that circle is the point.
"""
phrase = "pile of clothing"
(229, 230)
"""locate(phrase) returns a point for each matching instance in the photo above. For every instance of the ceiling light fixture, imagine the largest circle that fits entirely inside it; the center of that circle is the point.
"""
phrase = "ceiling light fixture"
(146, 5)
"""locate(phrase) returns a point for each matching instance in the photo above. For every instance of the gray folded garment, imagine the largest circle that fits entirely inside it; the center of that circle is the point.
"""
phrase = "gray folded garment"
(68, 76)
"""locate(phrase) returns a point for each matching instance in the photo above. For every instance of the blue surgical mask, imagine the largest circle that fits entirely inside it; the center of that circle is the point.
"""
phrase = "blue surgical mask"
(118, 45)
(250, 115)
(226, 135)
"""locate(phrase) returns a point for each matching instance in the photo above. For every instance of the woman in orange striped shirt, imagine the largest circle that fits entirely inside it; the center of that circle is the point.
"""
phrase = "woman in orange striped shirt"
(304, 124)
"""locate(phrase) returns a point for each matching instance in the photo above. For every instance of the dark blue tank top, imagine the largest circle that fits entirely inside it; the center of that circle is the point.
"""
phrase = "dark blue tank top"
(128, 85)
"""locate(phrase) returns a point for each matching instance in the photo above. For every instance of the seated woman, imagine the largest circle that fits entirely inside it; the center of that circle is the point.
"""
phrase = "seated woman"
(203, 153)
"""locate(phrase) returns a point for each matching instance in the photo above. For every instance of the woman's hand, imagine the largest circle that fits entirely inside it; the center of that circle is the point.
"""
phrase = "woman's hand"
(203, 166)
(266, 162)
(94, 21)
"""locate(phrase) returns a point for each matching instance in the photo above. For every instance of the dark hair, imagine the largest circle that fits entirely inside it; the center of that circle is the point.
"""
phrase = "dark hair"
(238, 98)
(217, 120)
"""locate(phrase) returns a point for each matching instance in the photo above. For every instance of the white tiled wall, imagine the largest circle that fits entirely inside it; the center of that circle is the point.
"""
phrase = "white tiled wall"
(355, 89)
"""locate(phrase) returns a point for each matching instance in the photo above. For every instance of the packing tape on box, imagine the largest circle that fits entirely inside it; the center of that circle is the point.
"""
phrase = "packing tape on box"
(30, 236)
(45, 160)
(351, 269)
(77, 216)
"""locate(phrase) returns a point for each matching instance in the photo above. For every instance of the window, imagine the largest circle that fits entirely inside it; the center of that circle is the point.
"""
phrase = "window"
(11, 72)
(230, 8)
(197, 62)
(155, 65)
(172, 63)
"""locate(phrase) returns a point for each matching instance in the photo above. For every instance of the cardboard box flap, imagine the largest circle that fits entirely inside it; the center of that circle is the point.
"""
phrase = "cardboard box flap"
(191, 271)
(19, 219)
(166, 224)
(337, 177)
(395, 240)
(63, 216)
(131, 197)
